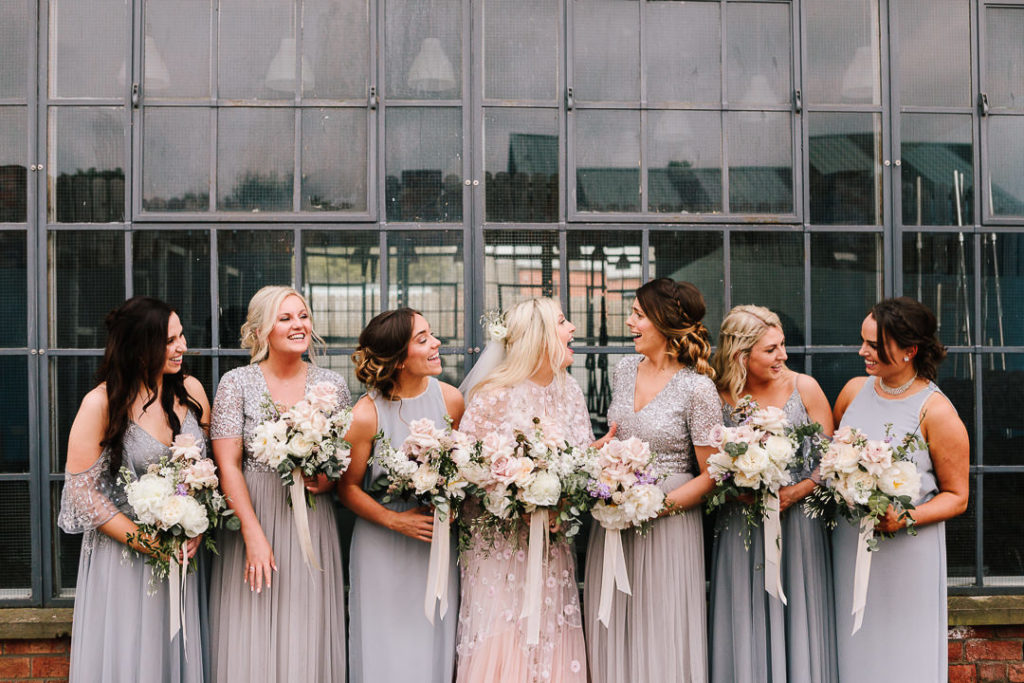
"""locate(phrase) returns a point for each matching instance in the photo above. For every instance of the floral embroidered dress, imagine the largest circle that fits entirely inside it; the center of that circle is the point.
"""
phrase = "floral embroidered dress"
(492, 638)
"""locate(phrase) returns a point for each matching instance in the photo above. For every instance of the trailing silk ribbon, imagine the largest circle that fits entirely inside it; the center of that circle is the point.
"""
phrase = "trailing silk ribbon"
(178, 583)
(862, 572)
(298, 495)
(437, 571)
(613, 573)
(773, 550)
(536, 554)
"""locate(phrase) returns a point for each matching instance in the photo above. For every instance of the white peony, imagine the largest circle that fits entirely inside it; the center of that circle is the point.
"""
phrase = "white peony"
(424, 479)
(610, 516)
(171, 512)
(719, 465)
(643, 502)
(194, 520)
(543, 491)
(901, 479)
(754, 461)
(497, 502)
(857, 488)
(147, 496)
(477, 474)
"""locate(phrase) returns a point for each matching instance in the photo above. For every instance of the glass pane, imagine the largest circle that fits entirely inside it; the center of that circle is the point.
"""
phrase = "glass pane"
(88, 44)
(340, 272)
(606, 50)
(423, 48)
(176, 159)
(1003, 518)
(758, 53)
(87, 161)
(957, 379)
(14, 414)
(423, 162)
(683, 52)
(71, 378)
(255, 159)
(16, 25)
(336, 48)
(521, 164)
(845, 168)
(1004, 54)
(1002, 293)
(604, 270)
(334, 158)
(593, 372)
(519, 264)
(854, 260)
(1006, 165)
(86, 274)
(13, 289)
(257, 50)
(934, 147)
(695, 257)
(1001, 375)
(684, 161)
(842, 52)
(16, 539)
(934, 52)
(66, 548)
(938, 271)
(767, 269)
(248, 260)
(834, 370)
(521, 40)
(760, 162)
(426, 272)
(607, 160)
(176, 56)
(13, 154)
(961, 542)
(175, 266)
(342, 364)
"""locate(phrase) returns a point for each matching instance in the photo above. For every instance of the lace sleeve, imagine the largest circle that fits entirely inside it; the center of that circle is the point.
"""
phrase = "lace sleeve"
(86, 501)
(704, 412)
(484, 412)
(228, 415)
(580, 427)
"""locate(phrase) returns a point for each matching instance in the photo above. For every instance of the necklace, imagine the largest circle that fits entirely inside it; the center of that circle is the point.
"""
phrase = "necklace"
(896, 391)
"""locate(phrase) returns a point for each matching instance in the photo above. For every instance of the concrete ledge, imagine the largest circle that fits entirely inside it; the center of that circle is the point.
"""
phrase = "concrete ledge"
(986, 610)
(32, 623)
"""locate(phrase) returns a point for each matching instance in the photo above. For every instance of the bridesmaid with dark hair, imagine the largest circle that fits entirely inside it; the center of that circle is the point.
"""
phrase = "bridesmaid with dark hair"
(903, 635)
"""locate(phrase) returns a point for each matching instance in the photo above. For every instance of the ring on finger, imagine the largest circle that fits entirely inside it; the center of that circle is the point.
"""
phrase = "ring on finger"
(252, 569)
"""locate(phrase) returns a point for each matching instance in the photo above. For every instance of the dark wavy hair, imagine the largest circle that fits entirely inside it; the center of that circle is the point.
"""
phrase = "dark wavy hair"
(676, 309)
(133, 363)
(383, 346)
(908, 322)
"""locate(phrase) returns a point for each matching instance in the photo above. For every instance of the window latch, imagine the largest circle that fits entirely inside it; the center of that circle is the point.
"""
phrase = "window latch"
(798, 101)
(569, 102)
(135, 96)
(371, 101)
(983, 103)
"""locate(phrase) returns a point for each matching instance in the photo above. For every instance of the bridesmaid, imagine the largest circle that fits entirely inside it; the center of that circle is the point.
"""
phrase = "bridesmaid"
(754, 637)
(142, 401)
(295, 631)
(903, 636)
(391, 638)
(665, 396)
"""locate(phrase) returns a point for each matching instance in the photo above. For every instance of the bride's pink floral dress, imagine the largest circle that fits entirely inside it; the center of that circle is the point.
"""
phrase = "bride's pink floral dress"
(492, 637)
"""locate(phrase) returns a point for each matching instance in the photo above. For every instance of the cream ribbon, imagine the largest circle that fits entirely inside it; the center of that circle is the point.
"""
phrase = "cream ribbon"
(773, 549)
(177, 579)
(862, 572)
(437, 571)
(298, 495)
(613, 573)
(536, 555)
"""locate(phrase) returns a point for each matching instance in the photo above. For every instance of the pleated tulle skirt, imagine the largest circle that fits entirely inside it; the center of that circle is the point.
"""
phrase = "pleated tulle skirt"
(294, 631)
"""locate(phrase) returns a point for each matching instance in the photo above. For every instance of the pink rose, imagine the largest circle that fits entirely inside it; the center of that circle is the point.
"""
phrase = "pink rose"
(185, 447)
(423, 437)
(876, 457)
(201, 475)
(323, 396)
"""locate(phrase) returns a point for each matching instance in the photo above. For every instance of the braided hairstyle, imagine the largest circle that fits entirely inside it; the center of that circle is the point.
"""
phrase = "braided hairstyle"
(908, 322)
(383, 346)
(740, 332)
(676, 309)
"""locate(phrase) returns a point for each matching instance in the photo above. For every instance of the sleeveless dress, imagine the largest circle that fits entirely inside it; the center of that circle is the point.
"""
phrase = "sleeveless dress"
(754, 637)
(121, 630)
(295, 630)
(903, 636)
(659, 633)
(390, 638)
(492, 638)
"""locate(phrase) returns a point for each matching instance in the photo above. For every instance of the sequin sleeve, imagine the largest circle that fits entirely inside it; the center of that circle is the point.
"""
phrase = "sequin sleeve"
(704, 412)
(86, 501)
(228, 415)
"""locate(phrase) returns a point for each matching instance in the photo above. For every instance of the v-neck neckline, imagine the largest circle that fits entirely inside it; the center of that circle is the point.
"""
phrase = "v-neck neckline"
(636, 377)
(266, 385)
(153, 437)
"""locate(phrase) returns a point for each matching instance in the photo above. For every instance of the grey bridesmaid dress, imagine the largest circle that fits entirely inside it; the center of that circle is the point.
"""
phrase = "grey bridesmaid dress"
(121, 630)
(390, 637)
(754, 637)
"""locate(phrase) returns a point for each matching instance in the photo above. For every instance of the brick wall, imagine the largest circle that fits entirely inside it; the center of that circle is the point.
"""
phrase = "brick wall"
(35, 660)
(986, 654)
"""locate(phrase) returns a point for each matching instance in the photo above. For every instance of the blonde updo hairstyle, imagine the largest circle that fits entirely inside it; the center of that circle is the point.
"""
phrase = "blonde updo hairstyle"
(260, 320)
(383, 347)
(740, 332)
(676, 310)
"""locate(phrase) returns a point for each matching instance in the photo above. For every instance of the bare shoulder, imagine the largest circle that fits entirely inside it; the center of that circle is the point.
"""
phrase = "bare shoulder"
(939, 410)
(810, 390)
(94, 403)
(846, 397)
(364, 418)
(453, 399)
(197, 391)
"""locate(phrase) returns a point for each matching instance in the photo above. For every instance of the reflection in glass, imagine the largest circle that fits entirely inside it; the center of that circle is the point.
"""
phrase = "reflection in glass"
(13, 164)
(521, 164)
(683, 52)
(962, 542)
(336, 33)
(1006, 166)
(87, 161)
(934, 52)
(256, 47)
(67, 548)
(758, 53)
(176, 159)
(14, 403)
(593, 372)
(760, 162)
(519, 264)
(177, 49)
(15, 29)
(1002, 288)
(88, 44)
(16, 539)
(684, 161)
(423, 162)
(1002, 376)
(13, 289)
(1003, 522)
(606, 50)
(340, 275)
(938, 270)
(423, 48)
(604, 270)
(426, 272)
(845, 168)
(71, 378)
(607, 160)
(255, 159)
(938, 169)
(86, 281)
(834, 370)
(1004, 54)
(842, 52)
(521, 49)
(174, 265)
(692, 257)
(846, 281)
(248, 260)
(767, 269)
(334, 160)
(957, 380)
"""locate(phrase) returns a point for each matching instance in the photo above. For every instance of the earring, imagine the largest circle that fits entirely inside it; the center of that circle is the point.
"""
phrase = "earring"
(906, 359)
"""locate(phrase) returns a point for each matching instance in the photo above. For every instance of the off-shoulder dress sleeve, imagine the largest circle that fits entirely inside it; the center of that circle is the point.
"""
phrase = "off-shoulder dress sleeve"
(228, 415)
(86, 501)
(704, 412)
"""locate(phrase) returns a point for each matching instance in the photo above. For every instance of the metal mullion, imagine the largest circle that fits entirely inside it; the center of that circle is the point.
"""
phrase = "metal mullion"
(563, 270)
(890, 143)
(808, 265)
(837, 227)
(474, 74)
(127, 256)
(726, 270)
(800, 151)
(385, 284)
(297, 152)
(15, 476)
(723, 61)
(297, 274)
(979, 529)
(645, 254)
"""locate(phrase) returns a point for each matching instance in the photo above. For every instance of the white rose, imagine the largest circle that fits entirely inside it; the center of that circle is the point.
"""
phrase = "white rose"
(543, 491)
(315, 427)
(770, 419)
(780, 449)
(424, 479)
(497, 502)
(859, 486)
(300, 412)
(901, 479)
(323, 396)
(194, 520)
(719, 465)
(477, 474)
(300, 446)
(496, 331)
(185, 447)
(847, 458)
(753, 461)
(171, 512)
(147, 496)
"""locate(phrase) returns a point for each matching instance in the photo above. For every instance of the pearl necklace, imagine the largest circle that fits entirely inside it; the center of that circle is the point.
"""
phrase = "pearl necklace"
(896, 391)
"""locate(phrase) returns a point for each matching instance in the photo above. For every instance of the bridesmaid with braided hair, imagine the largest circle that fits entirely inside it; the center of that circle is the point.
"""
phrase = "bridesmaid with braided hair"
(666, 396)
